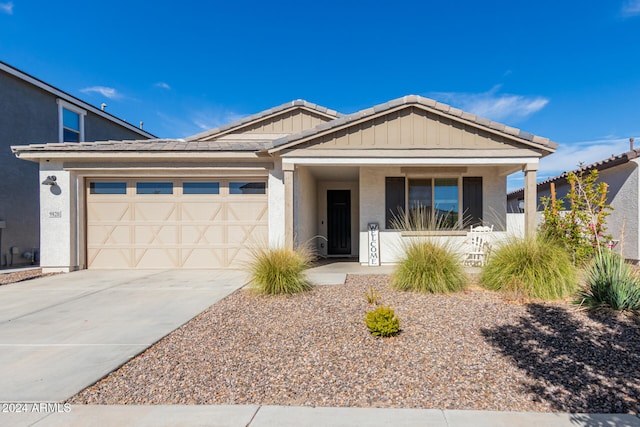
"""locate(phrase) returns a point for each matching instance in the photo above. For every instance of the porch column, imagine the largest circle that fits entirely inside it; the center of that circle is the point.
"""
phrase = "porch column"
(288, 170)
(530, 198)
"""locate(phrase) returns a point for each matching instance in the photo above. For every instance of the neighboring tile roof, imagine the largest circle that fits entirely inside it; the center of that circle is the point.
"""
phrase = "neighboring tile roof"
(263, 114)
(599, 166)
(419, 100)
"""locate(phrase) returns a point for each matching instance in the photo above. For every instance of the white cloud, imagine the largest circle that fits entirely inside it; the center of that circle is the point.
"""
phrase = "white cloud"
(631, 8)
(6, 8)
(493, 105)
(163, 85)
(197, 121)
(107, 92)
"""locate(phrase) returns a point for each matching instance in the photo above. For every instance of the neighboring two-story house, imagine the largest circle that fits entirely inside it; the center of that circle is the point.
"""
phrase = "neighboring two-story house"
(32, 111)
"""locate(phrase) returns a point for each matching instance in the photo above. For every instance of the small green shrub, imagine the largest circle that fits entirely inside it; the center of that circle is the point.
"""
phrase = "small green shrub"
(280, 270)
(429, 266)
(382, 322)
(532, 267)
(610, 282)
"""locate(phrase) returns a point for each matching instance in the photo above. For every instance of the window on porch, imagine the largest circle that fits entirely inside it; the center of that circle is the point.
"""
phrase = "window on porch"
(433, 201)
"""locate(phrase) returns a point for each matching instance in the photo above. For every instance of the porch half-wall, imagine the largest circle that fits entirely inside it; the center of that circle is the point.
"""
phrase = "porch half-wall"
(373, 207)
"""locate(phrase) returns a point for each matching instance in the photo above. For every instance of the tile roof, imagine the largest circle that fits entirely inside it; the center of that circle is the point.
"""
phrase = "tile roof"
(599, 166)
(426, 102)
(263, 114)
(261, 142)
(147, 145)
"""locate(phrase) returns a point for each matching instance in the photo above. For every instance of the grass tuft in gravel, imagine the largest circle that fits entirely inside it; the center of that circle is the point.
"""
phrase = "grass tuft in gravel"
(429, 266)
(280, 270)
(531, 268)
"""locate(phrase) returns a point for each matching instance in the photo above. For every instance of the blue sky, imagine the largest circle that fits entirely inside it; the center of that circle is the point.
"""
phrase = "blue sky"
(567, 70)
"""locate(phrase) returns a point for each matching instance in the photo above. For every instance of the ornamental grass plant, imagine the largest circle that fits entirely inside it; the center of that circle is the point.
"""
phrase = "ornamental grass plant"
(280, 270)
(430, 263)
(610, 282)
(429, 266)
(532, 267)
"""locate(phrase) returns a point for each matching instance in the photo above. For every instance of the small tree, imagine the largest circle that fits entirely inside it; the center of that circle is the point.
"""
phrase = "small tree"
(582, 229)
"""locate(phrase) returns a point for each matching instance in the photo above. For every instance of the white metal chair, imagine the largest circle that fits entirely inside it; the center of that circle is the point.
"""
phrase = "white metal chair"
(479, 242)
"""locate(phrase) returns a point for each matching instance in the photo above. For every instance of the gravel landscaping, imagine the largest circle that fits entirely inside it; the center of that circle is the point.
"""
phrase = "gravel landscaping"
(470, 350)
(19, 276)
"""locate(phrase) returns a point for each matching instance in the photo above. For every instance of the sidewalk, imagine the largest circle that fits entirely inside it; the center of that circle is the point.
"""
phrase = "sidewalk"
(279, 416)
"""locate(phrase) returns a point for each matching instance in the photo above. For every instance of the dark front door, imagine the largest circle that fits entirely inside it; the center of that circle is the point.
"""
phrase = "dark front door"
(339, 222)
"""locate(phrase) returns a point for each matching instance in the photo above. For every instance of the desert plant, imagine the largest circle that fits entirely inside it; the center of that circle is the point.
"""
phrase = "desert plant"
(610, 282)
(382, 322)
(280, 270)
(581, 229)
(533, 267)
(429, 266)
(430, 263)
(372, 296)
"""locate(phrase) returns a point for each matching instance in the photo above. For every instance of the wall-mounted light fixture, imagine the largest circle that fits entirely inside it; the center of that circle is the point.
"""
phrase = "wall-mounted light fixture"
(51, 180)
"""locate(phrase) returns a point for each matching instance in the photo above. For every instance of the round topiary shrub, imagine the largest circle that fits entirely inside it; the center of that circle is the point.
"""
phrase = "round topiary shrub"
(532, 268)
(429, 267)
(280, 270)
(382, 322)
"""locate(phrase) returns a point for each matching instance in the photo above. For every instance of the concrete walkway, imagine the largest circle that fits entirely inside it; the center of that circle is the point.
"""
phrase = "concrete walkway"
(60, 334)
(279, 416)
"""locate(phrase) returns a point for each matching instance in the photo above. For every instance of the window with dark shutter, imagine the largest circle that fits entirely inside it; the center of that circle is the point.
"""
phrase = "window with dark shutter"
(472, 200)
(394, 199)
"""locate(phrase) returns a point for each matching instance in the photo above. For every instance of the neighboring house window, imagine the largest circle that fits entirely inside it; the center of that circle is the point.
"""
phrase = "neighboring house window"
(434, 198)
(70, 122)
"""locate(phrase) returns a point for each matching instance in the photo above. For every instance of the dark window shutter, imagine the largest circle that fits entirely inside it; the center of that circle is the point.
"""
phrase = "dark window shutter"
(394, 199)
(472, 200)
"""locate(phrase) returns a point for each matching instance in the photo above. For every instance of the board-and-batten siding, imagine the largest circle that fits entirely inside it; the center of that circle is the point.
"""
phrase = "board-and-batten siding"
(411, 128)
(289, 122)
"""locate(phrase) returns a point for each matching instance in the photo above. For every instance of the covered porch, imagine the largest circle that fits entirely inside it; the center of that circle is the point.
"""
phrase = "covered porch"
(331, 204)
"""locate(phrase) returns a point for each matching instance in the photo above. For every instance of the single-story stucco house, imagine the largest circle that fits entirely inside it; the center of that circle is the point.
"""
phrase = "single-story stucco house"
(622, 175)
(293, 174)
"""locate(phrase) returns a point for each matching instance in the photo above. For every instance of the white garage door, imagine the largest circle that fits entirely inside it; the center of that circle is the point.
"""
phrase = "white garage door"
(174, 223)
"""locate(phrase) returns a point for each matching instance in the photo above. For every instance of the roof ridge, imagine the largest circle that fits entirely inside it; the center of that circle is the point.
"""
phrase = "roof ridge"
(262, 114)
(425, 102)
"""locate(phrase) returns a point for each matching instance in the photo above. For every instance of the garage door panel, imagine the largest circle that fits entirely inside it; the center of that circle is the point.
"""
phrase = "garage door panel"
(160, 234)
(156, 211)
(102, 234)
(202, 234)
(246, 211)
(173, 230)
(109, 258)
(202, 211)
(204, 258)
(109, 211)
(165, 257)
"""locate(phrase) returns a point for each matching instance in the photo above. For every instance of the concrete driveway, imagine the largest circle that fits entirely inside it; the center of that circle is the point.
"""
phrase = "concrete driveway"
(62, 333)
